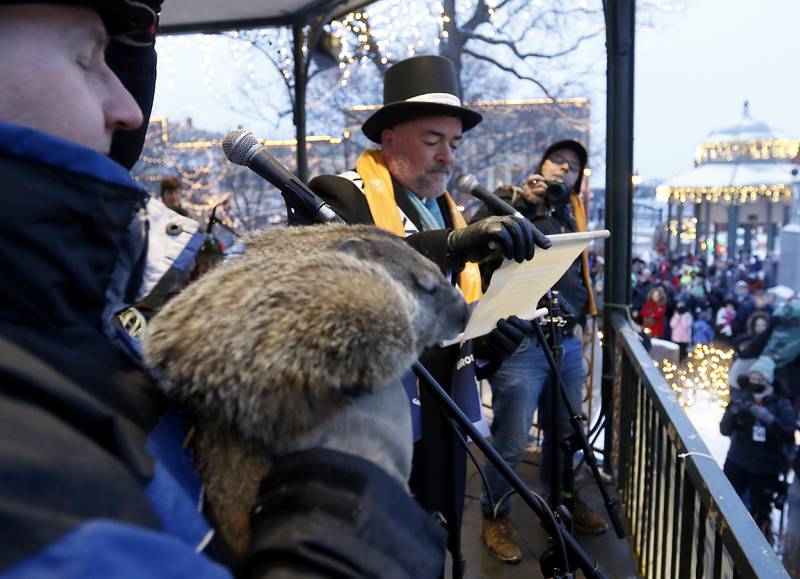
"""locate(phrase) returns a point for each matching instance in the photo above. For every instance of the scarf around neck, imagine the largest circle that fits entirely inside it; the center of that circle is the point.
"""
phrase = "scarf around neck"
(379, 192)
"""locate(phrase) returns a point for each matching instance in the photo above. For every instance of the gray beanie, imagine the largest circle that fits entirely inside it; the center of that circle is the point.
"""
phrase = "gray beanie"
(764, 366)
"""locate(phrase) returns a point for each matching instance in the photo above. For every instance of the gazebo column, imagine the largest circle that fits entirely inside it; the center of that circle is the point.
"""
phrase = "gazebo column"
(748, 238)
(733, 226)
(669, 226)
(678, 228)
(698, 228)
(770, 227)
(715, 241)
(707, 232)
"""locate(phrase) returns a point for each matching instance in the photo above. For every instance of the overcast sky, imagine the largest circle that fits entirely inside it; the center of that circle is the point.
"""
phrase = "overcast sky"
(694, 73)
(694, 70)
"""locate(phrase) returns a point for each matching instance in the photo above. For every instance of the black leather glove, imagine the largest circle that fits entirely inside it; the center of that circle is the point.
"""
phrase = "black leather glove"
(509, 235)
(499, 344)
(507, 336)
(324, 513)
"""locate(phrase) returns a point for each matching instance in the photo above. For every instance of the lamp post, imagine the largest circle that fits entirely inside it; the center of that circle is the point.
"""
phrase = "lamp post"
(789, 262)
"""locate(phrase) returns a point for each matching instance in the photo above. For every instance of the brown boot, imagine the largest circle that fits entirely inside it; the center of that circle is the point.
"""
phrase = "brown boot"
(586, 520)
(498, 539)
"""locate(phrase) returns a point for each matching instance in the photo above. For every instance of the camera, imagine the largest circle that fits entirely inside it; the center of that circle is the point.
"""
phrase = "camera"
(751, 387)
(556, 193)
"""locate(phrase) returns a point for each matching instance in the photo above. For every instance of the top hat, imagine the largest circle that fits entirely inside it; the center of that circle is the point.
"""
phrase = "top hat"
(419, 86)
(119, 16)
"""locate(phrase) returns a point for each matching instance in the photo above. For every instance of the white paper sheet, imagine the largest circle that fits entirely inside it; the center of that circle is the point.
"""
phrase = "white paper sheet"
(516, 288)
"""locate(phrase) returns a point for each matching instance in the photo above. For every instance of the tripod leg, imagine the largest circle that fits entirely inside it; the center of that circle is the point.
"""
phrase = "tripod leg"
(612, 505)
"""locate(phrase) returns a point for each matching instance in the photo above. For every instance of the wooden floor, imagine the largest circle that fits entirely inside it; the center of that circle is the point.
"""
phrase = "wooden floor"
(612, 554)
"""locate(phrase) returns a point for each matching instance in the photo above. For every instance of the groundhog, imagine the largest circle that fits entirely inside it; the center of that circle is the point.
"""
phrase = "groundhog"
(267, 347)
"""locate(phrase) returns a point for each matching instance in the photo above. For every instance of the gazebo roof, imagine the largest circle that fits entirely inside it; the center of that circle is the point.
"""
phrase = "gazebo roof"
(183, 16)
(747, 129)
(736, 174)
(740, 182)
(742, 164)
(749, 140)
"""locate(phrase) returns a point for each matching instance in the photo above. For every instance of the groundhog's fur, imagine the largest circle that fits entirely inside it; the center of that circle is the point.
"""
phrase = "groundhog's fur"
(265, 347)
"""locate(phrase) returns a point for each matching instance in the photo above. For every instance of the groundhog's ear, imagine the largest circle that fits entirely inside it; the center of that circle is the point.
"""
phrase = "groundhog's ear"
(352, 246)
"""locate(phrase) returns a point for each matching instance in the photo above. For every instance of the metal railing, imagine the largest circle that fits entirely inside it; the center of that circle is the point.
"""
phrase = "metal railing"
(684, 517)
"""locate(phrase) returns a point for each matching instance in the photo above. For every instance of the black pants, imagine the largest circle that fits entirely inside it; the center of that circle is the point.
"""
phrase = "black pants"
(761, 487)
(439, 468)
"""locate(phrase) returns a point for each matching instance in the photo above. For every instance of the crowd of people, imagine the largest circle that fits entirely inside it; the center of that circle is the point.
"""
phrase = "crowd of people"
(684, 300)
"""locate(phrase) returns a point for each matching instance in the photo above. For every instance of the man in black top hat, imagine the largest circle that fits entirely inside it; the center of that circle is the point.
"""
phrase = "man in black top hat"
(401, 187)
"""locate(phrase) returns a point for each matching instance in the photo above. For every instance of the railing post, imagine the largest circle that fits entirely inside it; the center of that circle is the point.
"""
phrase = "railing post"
(620, 25)
(300, 81)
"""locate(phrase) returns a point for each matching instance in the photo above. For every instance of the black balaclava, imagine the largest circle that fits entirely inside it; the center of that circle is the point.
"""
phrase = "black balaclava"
(131, 26)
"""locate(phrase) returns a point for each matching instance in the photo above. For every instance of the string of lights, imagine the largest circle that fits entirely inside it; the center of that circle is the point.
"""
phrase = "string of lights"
(737, 194)
(750, 150)
(705, 373)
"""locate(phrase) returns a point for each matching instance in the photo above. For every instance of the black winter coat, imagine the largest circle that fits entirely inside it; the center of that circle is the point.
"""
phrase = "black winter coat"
(768, 457)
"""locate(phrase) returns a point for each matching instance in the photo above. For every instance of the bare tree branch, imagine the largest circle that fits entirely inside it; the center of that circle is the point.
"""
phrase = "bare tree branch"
(480, 16)
(509, 70)
(512, 45)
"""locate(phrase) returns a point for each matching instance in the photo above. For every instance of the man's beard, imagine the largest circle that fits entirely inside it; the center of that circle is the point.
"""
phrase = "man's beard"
(433, 181)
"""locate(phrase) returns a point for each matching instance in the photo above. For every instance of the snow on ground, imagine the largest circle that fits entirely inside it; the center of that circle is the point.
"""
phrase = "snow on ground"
(705, 415)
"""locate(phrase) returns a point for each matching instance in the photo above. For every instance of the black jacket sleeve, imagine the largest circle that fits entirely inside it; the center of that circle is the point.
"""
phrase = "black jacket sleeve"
(351, 205)
(785, 419)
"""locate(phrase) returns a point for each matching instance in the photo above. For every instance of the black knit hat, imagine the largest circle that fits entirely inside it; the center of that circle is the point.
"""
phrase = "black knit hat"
(576, 148)
(419, 86)
(119, 16)
(573, 146)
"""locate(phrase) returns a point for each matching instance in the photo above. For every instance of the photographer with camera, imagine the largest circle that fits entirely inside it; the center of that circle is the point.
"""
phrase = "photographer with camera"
(550, 198)
(760, 421)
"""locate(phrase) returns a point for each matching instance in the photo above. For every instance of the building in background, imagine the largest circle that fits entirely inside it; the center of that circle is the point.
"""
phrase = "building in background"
(735, 200)
(504, 148)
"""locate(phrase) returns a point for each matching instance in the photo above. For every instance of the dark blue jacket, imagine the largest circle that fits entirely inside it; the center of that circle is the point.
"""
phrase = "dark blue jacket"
(767, 457)
(95, 482)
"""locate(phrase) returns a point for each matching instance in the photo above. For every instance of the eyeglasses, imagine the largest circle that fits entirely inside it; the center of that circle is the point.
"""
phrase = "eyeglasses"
(558, 159)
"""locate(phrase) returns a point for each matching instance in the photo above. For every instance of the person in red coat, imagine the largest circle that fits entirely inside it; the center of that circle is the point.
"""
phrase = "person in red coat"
(654, 311)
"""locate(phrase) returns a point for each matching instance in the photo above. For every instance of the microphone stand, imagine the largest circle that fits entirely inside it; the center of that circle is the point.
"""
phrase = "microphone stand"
(213, 219)
(570, 554)
(555, 351)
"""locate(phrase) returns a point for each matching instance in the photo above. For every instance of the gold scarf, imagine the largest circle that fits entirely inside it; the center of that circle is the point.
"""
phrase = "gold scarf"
(580, 221)
(379, 191)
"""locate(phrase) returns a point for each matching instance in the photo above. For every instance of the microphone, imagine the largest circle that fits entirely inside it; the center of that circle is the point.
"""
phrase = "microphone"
(304, 206)
(469, 184)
